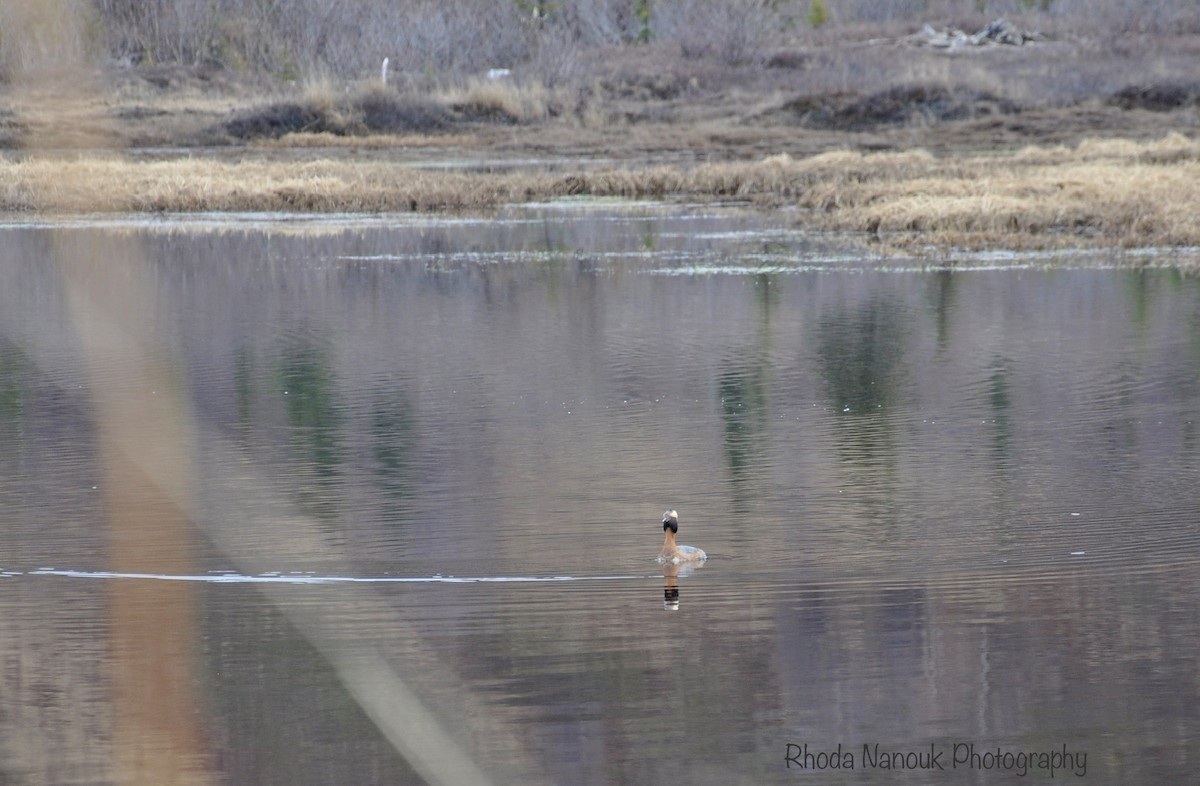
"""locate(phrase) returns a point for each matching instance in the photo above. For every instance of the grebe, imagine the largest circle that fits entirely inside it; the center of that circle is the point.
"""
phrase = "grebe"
(671, 552)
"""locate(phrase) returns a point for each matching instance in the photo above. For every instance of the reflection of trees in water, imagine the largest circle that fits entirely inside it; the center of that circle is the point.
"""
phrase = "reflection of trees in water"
(942, 294)
(307, 382)
(320, 429)
(13, 366)
(394, 438)
(744, 386)
(1138, 285)
(998, 394)
(999, 398)
(861, 354)
(1189, 381)
(743, 392)
(243, 386)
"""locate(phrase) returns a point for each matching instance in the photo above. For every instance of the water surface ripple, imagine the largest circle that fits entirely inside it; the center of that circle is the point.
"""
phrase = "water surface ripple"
(376, 499)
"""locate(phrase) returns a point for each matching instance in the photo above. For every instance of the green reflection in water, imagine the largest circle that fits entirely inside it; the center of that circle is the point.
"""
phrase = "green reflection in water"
(394, 438)
(307, 381)
(243, 373)
(942, 292)
(862, 356)
(743, 386)
(555, 249)
(743, 392)
(1138, 287)
(1191, 382)
(999, 397)
(13, 365)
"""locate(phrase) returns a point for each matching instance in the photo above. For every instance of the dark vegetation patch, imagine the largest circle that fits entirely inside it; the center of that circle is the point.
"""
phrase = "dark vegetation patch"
(276, 120)
(384, 113)
(176, 78)
(366, 113)
(485, 112)
(789, 59)
(11, 129)
(644, 87)
(1160, 97)
(901, 105)
(138, 112)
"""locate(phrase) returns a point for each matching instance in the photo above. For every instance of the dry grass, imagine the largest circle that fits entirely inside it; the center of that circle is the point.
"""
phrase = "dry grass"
(501, 99)
(1115, 193)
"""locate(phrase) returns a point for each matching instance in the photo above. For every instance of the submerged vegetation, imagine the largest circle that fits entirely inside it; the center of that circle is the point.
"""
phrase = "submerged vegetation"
(1071, 123)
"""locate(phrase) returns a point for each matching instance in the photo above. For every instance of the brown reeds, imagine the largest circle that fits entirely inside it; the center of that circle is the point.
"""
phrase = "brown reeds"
(1118, 192)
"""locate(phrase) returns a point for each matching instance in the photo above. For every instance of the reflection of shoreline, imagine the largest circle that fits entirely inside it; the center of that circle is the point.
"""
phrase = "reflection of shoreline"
(671, 573)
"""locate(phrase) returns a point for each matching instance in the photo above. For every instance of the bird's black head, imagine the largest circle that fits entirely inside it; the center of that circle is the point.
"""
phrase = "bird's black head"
(670, 521)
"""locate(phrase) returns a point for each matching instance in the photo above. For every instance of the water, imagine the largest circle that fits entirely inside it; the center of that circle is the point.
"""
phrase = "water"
(376, 500)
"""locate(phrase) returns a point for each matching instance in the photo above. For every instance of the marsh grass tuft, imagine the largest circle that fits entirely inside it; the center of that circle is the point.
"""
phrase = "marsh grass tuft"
(500, 100)
(1116, 193)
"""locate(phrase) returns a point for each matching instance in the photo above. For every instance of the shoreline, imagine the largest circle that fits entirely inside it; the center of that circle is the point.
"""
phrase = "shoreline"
(1100, 193)
(1044, 146)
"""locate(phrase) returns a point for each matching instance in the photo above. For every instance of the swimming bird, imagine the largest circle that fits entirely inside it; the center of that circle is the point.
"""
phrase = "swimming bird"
(672, 552)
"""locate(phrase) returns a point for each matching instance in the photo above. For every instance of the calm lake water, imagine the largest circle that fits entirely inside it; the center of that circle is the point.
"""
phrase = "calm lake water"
(377, 500)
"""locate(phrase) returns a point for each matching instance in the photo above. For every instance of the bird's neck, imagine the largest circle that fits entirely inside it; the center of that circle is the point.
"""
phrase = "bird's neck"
(668, 542)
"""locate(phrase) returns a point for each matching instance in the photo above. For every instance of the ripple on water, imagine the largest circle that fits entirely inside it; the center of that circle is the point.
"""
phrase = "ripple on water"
(937, 506)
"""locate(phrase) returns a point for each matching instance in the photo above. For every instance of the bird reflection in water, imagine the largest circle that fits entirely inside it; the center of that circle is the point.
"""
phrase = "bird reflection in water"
(671, 574)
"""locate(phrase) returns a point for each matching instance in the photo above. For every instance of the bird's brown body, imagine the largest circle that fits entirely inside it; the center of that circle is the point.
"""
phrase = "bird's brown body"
(672, 551)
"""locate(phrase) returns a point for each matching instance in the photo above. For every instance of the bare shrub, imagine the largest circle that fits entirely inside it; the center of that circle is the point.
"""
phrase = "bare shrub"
(160, 31)
(345, 37)
(555, 55)
(453, 39)
(878, 10)
(432, 43)
(1112, 18)
(599, 22)
(733, 32)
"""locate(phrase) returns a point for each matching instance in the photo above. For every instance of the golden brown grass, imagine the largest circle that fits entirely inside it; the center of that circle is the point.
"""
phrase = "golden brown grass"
(1116, 193)
(501, 98)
